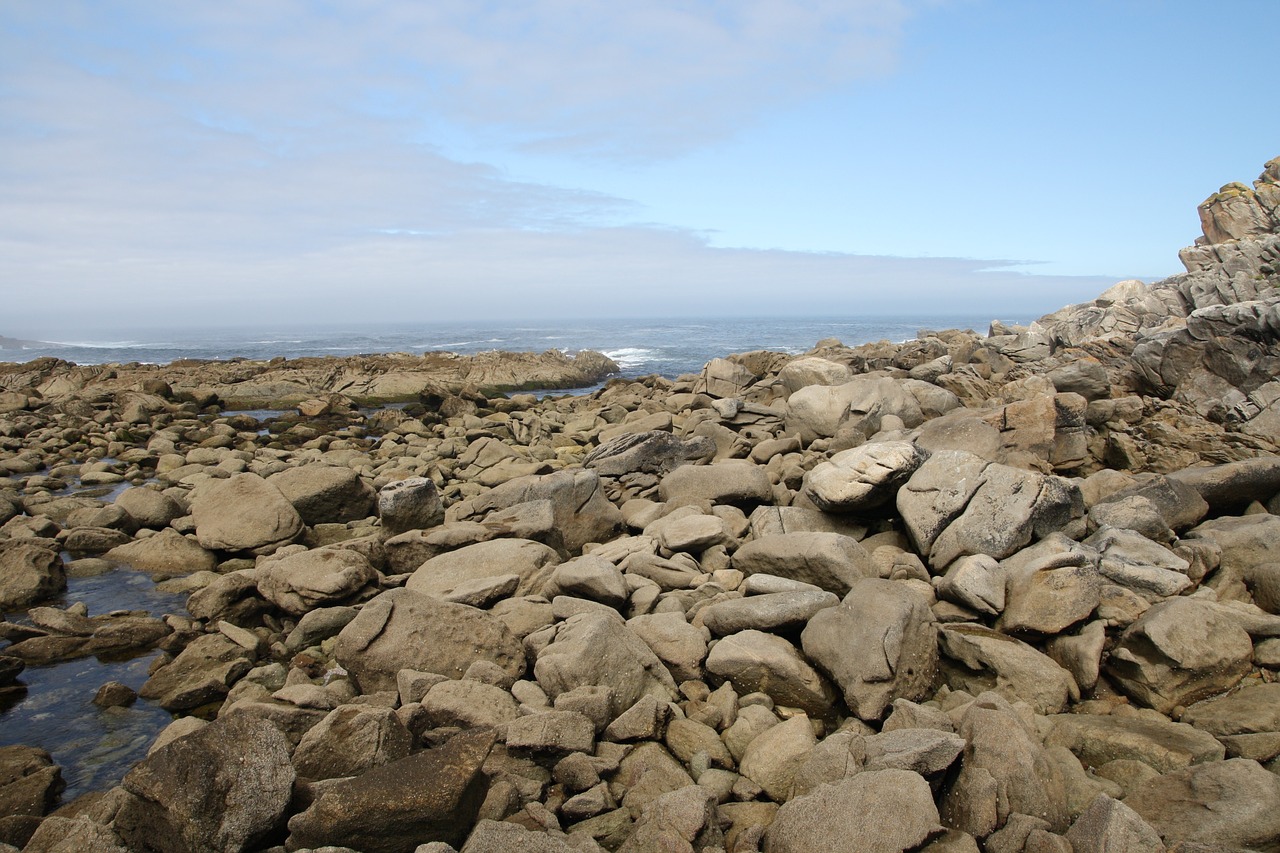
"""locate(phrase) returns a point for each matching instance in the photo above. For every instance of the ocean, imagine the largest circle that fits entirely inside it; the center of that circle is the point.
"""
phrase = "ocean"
(665, 347)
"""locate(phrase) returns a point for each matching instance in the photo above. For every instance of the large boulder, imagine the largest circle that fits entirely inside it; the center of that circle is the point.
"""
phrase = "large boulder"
(149, 507)
(831, 561)
(411, 504)
(1233, 804)
(863, 477)
(733, 481)
(756, 662)
(976, 659)
(321, 577)
(403, 629)
(223, 788)
(430, 796)
(325, 494)
(1180, 651)
(886, 811)
(957, 503)
(597, 648)
(202, 674)
(531, 561)
(351, 740)
(651, 452)
(29, 781)
(1162, 745)
(243, 513)
(581, 512)
(29, 572)
(879, 644)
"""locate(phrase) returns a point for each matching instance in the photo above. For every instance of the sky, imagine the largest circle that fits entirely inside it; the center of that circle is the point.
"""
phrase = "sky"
(168, 164)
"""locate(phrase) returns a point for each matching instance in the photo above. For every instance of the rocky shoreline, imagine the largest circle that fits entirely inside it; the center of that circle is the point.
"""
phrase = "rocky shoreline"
(1003, 592)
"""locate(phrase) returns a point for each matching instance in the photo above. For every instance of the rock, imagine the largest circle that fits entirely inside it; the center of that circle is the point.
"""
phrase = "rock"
(769, 612)
(1179, 651)
(149, 507)
(351, 740)
(1003, 771)
(1247, 720)
(581, 511)
(491, 836)
(773, 757)
(243, 513)
(957, 503)
(812, 370)
(679, 645)
(405, 629)
(1051, 599)
(113, 694)
(733, 481)
(758, 662)
(830, 561)
(1179, 505)
(65, 835)
(29, 781)
(430, 796)
(1163, 746)
(878, 645)
(978, 659)
(531, 561)
(28, 573)
(551, 733)
(863, 477)
(923, 751)
(468, 704)
(325, 494)
(645, 720)
(200, 675)
(1233, 484)
(224, 787)
(590, 577)
(300, 583)
(1111, 825)
(1249, 545)
(168, 552)
(1134, 562)
(651, 452)
(646, 773)
(1085, 376)
(596, 648)
(683, 820)
(888, 811)
(318, 625)
(976, 582)
(412, 504)
(693, 532)
(1231, 804)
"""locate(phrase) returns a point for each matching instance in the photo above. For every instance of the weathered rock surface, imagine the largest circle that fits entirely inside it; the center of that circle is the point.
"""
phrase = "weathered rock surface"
(244, 513)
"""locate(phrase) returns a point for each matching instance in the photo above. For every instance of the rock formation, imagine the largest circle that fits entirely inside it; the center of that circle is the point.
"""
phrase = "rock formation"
(1005, 592)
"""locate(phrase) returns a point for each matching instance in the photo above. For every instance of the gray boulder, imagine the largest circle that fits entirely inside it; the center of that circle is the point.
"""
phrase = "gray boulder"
(403, 629)
(410, 504)
(863, 477)
(957, 503)
(878, 645)
(653, 452)
(1109, 825)
(769, 612)
(223, 788)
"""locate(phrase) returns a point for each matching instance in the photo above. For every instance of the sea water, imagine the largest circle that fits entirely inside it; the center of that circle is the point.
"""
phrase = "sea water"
(640, 347)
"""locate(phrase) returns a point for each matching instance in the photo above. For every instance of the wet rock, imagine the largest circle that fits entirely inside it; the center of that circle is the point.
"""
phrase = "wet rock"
(430, 796)
(243, 513)
(113, 694)
(878, 645)
(29, 781)
(224, 788)
(404, 629)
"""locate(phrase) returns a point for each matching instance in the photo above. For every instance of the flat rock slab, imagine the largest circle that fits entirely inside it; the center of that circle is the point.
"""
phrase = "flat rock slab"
(829, 561)
(1166, 746)
(532, 561)
(887, 811)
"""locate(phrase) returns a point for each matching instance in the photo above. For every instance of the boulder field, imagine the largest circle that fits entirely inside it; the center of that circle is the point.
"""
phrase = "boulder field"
(1006, 592)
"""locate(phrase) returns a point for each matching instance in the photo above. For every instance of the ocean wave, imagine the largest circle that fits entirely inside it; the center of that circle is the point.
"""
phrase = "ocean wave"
(460, 343)
(632, 356)
(109, 344)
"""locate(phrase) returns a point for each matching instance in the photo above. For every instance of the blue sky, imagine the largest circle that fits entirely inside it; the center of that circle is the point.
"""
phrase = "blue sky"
(189, 163)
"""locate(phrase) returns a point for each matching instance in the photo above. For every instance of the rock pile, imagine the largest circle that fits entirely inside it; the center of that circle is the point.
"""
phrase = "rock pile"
(1013, 592)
